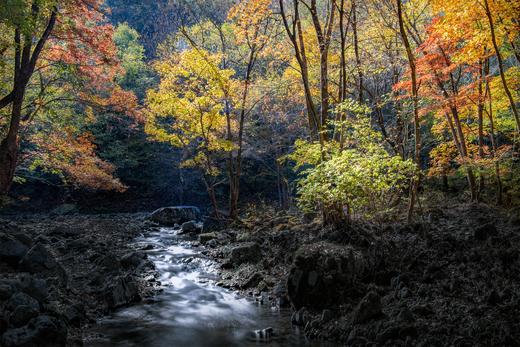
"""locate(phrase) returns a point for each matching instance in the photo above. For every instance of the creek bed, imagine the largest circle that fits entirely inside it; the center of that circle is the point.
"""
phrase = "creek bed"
(192, 310)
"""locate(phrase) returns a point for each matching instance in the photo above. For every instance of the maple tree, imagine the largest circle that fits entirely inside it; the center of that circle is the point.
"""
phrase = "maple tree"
(69, 48)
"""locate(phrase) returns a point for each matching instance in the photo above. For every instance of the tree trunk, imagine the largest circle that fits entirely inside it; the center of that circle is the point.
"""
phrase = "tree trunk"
(414, 187)
(501, 65)
(24, 65)
(480, 112)
(356, 51)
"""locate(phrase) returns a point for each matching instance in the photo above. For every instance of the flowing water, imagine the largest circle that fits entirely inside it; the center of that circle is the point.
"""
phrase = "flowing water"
(192, 310)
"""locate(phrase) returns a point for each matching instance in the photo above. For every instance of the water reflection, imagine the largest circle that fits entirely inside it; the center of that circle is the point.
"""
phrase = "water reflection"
(192, 311)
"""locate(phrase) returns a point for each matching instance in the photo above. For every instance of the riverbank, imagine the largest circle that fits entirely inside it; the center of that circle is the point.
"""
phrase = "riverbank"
(59, 274)
(453, 279)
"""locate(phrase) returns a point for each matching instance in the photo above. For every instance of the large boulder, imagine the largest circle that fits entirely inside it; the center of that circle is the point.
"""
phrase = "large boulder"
(169, 216)
(190, 227)
(38, 259)
(35, 287)
(22, 299)
(42, 331)
(247, 252)
(11, 249)
(323, 274)
(22, 315)
(369, 307)
(121, 292)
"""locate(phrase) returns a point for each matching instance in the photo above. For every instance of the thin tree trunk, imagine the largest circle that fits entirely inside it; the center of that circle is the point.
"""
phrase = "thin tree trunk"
(501, 65)
(480, 112)
(356, 51)
(494, 144)
(294, 31)
(414, 189)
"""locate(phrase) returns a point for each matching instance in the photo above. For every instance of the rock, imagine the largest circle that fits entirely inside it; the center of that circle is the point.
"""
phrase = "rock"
(263, 334)
(11, 249)
(132, 259)
(252, 281)
(300, 317)
(483, 232)
(326, 316)
(323, 274)
(368, 308)
(35, 287)
(6, 290)
(79, 244)
(190, 227)
(42, 331)
(122, 292)
(64, 209)
(214, 224)
(212, 243)
(38, 259)
(206, 237)
(405, 315)
(109, 262)
(21, 315)
(22, 299)
(395, 332)
(248, 252)
(22, 237)
(75, 314)
(169, 216)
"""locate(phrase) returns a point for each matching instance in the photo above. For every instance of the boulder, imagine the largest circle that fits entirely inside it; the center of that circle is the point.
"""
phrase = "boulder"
(64, 209)
(22, 237)
(206, 237)
(483, 232)
(42, 331)
(132, 259)
(368, 308)
(324, 274)
(122, 292)
(190, 227)
(22, 315)
(169, 216)
(11, 249)
(22, 299)
(35, 287)
(75, 314)
(38, 259)
(7, 289)
(248, 252)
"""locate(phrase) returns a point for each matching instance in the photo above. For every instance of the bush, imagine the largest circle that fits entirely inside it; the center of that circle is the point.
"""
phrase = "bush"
(360, 178)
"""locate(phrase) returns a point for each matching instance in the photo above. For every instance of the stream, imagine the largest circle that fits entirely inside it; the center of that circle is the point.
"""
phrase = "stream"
(192, 310)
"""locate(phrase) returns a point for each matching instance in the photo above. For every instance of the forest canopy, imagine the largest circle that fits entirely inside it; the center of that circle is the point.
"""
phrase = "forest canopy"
(344, 107)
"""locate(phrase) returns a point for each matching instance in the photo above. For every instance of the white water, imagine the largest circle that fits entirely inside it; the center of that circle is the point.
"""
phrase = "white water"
(192, 310)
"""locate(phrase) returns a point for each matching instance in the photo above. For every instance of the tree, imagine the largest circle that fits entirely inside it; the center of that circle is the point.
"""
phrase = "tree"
(48, 37)
(187, 111)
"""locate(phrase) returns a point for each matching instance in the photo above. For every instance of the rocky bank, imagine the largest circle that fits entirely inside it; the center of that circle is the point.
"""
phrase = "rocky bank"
(58, 274)
(451, 280)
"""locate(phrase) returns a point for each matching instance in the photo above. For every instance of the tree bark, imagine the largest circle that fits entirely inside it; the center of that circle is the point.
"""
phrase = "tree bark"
(414, 189)
(24, 65)
(501, 65)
